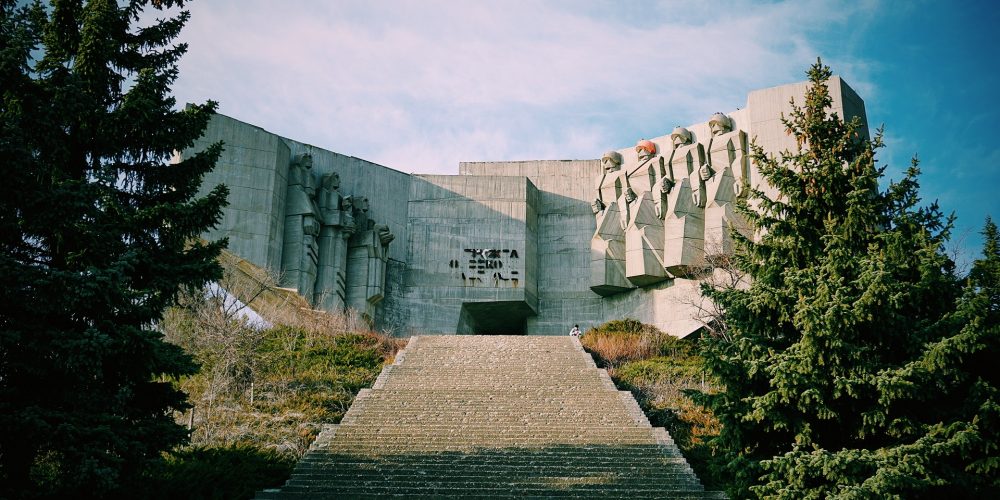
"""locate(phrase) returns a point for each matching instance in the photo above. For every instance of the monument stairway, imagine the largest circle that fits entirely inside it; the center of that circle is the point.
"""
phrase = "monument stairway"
(493, 416)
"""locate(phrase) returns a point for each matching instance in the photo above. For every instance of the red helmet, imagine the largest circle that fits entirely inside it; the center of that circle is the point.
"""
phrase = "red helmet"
(645, 145)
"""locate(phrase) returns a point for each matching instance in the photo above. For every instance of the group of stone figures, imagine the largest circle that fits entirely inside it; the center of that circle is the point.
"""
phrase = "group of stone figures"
(660, 215)
(325, 235)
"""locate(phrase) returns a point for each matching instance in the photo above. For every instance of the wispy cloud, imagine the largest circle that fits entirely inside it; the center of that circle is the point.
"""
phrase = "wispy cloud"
(420, 86)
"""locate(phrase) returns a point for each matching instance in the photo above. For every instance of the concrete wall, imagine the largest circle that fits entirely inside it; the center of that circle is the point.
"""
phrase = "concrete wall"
(565, 225)
(452, 221)
(767, 106)
(387, 191)
(253, 165)
(452, 265)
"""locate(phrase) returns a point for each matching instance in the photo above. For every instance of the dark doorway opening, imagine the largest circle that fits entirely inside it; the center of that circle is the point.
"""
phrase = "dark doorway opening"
(494, 318)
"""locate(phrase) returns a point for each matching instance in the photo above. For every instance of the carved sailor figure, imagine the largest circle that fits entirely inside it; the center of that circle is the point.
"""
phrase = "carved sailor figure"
(644, 230)
(338, 226)
(607, 246)
(683, 222)
(300, 250)
(725, 173)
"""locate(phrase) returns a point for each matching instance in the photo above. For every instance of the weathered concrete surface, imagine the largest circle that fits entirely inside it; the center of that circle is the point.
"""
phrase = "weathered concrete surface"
(472, 241)
(672, 206)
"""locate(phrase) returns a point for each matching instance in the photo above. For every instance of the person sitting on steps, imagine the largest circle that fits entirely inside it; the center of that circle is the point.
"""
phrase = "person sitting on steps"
(575, 332)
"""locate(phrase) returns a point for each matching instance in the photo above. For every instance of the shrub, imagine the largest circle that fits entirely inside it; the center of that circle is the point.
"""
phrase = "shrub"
(659, 369)
(297, 379)
(231, 472)
(623, 340)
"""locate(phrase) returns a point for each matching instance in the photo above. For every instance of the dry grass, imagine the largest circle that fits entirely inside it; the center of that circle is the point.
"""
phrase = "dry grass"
(271, 387)
(615, 350)
(621, 341)
(658, 368)
(291, 383)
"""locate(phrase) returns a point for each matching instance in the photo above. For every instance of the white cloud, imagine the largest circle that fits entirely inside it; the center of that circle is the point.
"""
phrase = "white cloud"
(419, 86)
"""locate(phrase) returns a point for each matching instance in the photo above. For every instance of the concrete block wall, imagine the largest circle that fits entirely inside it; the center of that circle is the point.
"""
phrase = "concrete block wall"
(451, 218)
(387, 190)
(253, 165)
(565, 226)
(767, 106)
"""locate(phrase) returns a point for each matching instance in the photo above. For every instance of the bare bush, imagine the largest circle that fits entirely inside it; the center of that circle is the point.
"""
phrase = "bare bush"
(268, 361)
(717, 271)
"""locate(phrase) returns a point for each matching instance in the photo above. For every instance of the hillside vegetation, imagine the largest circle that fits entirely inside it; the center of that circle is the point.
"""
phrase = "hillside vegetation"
(658, 368)
(264, 388)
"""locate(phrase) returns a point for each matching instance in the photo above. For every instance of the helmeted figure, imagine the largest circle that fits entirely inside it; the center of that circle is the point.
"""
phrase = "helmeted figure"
(725, 174)
(607, 246)
(300, 249)
(644, 228)
(683, 222)
(338, 226)
(368, 255)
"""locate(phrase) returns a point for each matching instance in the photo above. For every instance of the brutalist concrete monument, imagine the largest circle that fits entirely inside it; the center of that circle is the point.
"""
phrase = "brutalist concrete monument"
(503, 247)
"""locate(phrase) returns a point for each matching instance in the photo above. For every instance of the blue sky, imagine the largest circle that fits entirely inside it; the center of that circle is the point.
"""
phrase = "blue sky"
(420, 85)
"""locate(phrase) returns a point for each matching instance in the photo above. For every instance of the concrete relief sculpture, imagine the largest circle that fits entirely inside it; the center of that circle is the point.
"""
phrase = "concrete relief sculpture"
(644, 229)
(683, 222)
(368, 256)
(726, 177)
(333, 253)
(338, 226)
(611, 210)
(300, 247)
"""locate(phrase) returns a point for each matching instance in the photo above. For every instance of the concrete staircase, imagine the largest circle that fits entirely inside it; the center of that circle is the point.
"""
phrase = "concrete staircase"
(493, 416)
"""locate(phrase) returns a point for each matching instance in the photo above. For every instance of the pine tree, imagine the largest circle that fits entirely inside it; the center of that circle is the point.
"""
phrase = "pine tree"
(98, 234)
(951, 448)
(847, 282)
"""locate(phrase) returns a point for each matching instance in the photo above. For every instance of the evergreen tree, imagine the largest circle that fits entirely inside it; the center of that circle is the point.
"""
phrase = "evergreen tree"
(847, 284)
(950, 447)
(98, 233)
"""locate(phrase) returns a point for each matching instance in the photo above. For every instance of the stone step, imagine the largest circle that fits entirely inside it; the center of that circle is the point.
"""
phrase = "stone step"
(438, 443)
(489, 430)
(514, 426)
(465, 493)
(543, 413)
(409, 463)
(504, 417)
(499, 409)
(583, 485)
(494, 490)
(500, 469)
(576, 398)
(579, 451)
(501, 472)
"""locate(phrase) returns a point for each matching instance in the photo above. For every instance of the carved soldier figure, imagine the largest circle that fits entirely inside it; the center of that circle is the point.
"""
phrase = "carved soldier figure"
(360, 212)
(300, 250)
(613, 186)
(338, 226)
(725, 174)
(607, 246)
(684, 223)
(644, 229)
(368, 255)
